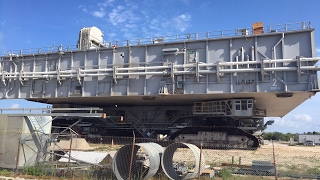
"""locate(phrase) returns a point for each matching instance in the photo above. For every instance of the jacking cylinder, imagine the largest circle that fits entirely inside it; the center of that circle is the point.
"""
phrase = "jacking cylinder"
(167, 161)
(145, 163)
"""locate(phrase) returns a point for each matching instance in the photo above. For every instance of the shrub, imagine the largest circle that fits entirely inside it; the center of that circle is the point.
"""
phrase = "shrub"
(313, 171)
(225, 173)
(5, 172)
(34, 171)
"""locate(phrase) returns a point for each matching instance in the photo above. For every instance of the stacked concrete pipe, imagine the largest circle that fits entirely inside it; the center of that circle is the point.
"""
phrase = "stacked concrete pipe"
(167, 161)
(156, 153)
(121, 160)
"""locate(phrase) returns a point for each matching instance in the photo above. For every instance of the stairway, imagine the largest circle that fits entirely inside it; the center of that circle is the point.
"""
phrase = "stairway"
(36, 122)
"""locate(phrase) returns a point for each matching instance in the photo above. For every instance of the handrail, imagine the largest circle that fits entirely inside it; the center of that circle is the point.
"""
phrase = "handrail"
(164, 70)
(165, 39)
(91, 110)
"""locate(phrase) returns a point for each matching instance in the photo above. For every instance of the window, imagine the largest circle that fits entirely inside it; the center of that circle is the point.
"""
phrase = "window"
(238, 105)
(250, 104)
(77, 90)
(244, 105)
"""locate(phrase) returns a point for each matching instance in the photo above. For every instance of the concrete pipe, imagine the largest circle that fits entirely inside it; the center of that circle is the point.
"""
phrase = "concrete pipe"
(145, 163)
(168, 164)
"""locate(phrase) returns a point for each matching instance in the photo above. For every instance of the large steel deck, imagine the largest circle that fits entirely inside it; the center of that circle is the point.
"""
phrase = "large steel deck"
(276, 68)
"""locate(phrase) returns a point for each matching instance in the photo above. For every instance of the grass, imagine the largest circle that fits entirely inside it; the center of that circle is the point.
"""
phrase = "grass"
(5, 172)
(315, 171)
(225, 173)
(299, 169)
(34, 171)
(246, 177)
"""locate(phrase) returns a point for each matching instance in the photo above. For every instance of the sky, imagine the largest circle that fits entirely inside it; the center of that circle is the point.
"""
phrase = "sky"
(39, 23)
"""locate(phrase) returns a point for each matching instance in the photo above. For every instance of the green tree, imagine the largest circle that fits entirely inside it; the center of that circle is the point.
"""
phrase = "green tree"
(279, 136)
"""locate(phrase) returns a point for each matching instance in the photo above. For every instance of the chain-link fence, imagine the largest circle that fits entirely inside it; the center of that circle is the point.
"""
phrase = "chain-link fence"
(66, 154)
(98, 157)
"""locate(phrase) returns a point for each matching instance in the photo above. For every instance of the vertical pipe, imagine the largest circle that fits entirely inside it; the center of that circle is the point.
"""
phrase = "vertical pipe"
(252, 53)
(71, 61)
(242, 54)
(129, 64)
(256, 48)
(145, 78)
(237, 59)
(97, 83)
(269, 28)
(257, 83)
(81, 81)
(286, 27)
(231, 67)
(207, 60)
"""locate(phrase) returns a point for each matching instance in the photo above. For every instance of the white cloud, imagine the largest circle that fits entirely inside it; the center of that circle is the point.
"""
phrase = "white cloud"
(282, 123)
(297, 123)
(15, 106)
(111, 35)
(100, 14)
(302, 117)
(122, 15)
(83, 8)
(141, 19)
(182, 22)
(106, 3)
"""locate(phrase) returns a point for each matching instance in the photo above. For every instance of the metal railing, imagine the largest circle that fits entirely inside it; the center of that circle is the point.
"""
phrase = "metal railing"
(50, 111)
(172, 38)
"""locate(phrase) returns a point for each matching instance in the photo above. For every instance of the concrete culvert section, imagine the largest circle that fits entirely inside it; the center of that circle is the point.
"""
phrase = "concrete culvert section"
(182, 160)
(145, 162)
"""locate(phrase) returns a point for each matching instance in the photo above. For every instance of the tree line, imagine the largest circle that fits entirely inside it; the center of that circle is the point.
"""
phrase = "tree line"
(282, 136)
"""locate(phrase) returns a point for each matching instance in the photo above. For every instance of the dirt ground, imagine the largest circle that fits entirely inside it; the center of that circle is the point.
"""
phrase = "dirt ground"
(288, 159)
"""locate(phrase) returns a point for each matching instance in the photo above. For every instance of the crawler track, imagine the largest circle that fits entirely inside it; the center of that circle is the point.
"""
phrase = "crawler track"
(251, 143)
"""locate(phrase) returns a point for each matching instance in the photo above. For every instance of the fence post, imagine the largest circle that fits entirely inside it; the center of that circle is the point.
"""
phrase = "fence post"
(274, 162)
(131, 159)
(70, 148)
(200, 159)
(18, 153)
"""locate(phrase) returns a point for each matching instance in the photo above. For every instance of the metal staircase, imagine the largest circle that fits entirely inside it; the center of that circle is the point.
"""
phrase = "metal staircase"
(36, 123)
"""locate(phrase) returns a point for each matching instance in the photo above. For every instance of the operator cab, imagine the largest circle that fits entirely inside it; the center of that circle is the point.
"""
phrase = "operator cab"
(230, 107)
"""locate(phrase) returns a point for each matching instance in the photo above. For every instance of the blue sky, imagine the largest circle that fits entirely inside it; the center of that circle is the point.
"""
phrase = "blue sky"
(39, 23)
